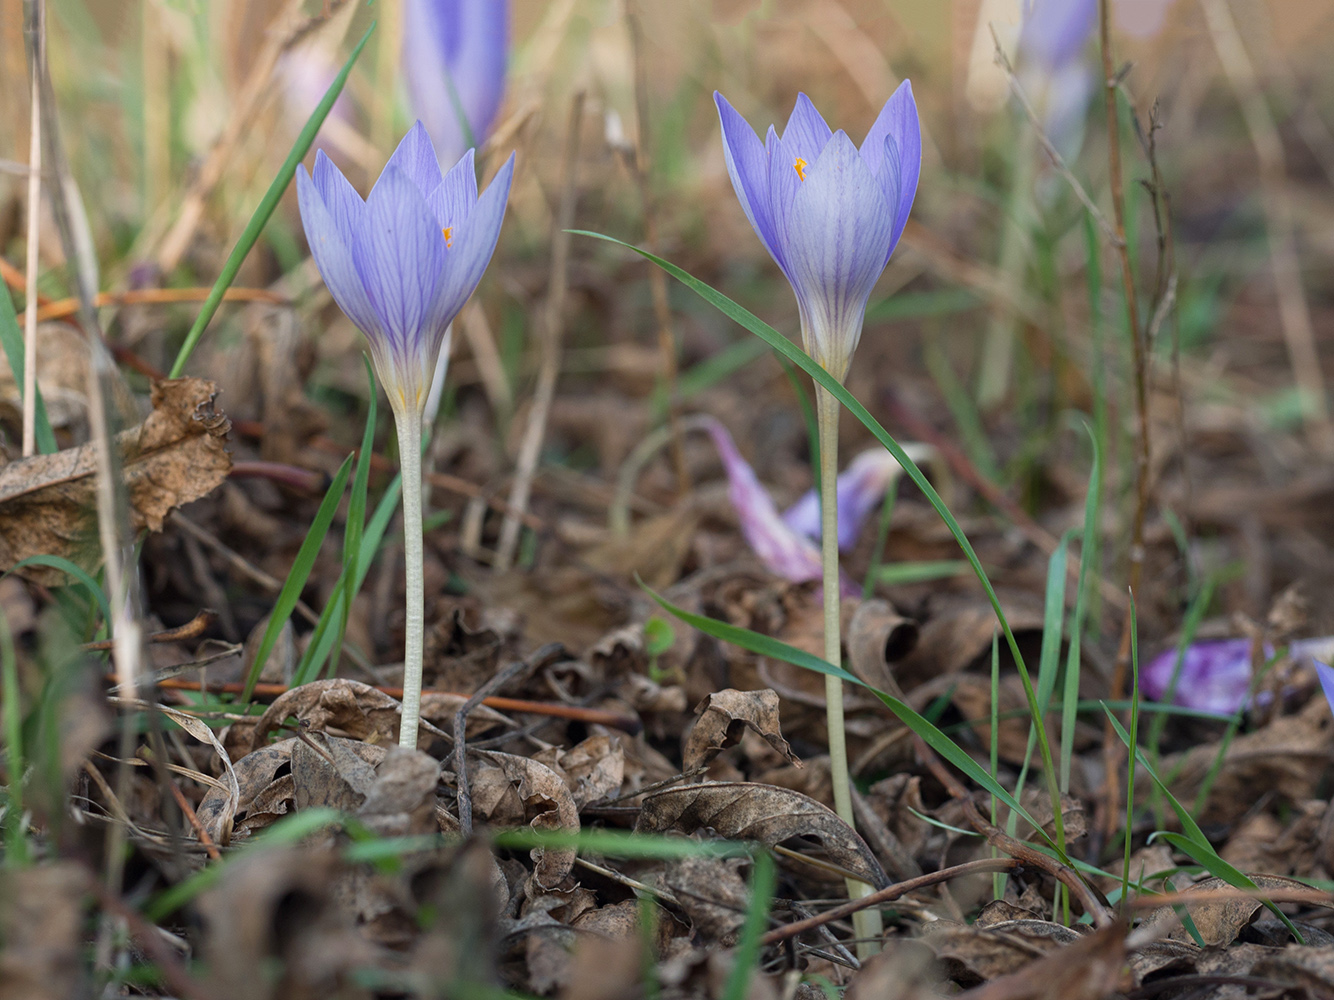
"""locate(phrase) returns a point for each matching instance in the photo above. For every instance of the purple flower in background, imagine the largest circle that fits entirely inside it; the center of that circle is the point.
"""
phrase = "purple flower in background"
(861, 490)
(1216, 673)
(454, 54)
(783, 551)
(402, 263)
(1055, 31)
(829, 214)
(1326, 675)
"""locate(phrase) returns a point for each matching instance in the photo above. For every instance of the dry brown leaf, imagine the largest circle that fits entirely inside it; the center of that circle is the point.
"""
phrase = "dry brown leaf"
(327, 772)
(41, 927)
(878, 637)
(401, 802)
(593, 769)
(748, 811)
(606, 966)
(1219, 921)
(349, 707)
(724, 716)
(48, 503)
(1091, 968)
(713, 894)
(975, 955)
(548, 805)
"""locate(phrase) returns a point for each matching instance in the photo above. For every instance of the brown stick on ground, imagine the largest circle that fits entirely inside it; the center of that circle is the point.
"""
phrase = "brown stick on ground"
(1093, 902)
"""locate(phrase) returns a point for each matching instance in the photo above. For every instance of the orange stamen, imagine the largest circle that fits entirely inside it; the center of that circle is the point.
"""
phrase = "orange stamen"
(800, 166)
(449, 237)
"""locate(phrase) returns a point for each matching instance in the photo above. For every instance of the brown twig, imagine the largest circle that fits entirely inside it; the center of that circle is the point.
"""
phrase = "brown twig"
(552, 328)
(62, 308)
(889, 894)
(192, 629)
(188, 811)
(546, 655)
(1094, 905)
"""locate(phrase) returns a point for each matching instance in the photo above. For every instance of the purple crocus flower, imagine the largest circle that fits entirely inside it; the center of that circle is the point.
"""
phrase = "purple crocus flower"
(1216, 673)
(454, 54)
(1326, 674)
(402, 263)
(861, 490)
(829, 214)
(1055, 31)
(783, 551)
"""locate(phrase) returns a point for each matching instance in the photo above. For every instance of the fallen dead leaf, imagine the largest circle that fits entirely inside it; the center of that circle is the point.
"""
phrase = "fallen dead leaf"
(713, 894)
(178, 454)
(748, 811)
(724, 716)
(548, 805)
(1219, 921)
(1089, 969)
(41, 924)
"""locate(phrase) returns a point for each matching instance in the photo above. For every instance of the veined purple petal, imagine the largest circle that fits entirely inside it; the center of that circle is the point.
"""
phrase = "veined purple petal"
(1216, 673)
(334, 258)
(838, 240)
(806, 133)
(1055, 31)
(415, 156)
(454, 54)
(1326, 675)
(340, 198)
(898, 121)
(455, 197)
(861, 490)
(473, 244)
(748, 166)
(782, 551)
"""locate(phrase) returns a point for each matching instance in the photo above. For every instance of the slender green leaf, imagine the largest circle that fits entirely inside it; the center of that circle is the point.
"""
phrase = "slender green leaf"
(621, 844)
(11, 338)
(900, 574)
(77, 572)
(265, 209)
(16, 844)
(356, 513)
(746, 957)
(299, 574)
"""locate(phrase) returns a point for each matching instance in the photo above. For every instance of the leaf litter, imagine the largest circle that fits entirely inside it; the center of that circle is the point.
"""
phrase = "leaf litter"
(379, 896)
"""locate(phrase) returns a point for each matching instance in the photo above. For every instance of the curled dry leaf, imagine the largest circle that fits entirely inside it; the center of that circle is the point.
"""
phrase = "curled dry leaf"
(741, 810)
(724, 716)
(713, 894)
(977, 954)
(549, 806)
(48, 503)
(327, 772)
(348, 707)
(1219, 921)
(1090, 968)
(879, 637)
(593, 769)
(222, 812)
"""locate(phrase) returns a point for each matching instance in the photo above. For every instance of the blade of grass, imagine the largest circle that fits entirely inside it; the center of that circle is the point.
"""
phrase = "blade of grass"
(920, 572)
(1134, 741)
(299, 574)
(998, 878)
(746, 957)
(11, 338)
(77, 572)
(265, 209)
(803, 361)
(1088, 555)
(356, 514)
(16, 844)
(807, 416)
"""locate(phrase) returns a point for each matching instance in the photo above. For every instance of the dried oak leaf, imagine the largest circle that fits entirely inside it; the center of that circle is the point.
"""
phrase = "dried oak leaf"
(328, 772)
(742, 810)
(724, 716)
(592, 770)
(550, 806)
(1219, 921)
(1091, 968)
(178, 454)
(975, 954)
(350, 707)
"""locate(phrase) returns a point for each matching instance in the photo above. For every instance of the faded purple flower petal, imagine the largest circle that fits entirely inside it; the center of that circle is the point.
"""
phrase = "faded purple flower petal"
(1216, 673)
(861, 490)
(1326, 675)
(1055, 31)
(783, 551)
(829, 214)
(402, 263)
(454, 54)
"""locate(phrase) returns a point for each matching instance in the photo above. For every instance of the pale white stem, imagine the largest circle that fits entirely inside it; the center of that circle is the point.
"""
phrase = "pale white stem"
(30, 288)
(866, 924)
(410, 458)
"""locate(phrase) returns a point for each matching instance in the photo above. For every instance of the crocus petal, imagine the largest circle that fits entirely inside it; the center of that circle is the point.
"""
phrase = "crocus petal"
(340, 198)
(415, 156)
(473, 246)
(454, 54)
(1215, 675)
(1055, 31)
(897, 121)
(748, 166)
(456, 196)
(838, 241)
(400, 255)
(334, 258)
(806, 133)
(1326, 675)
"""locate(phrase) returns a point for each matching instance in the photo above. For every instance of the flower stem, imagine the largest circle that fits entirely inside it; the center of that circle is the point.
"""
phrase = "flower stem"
(410, 459)
(866, 923)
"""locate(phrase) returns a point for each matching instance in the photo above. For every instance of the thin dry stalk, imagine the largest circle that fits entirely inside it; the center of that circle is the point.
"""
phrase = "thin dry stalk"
(552, 327)
(482, 343)
(37, 49)
(638, 161)
(1294, 311)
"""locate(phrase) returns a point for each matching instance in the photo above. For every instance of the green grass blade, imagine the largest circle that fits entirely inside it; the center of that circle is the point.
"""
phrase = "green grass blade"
(776, 649)
(78, 572)
(356, 514)
(11, 338)
(746, 957)
(621, 844)
(899, 574)
(1088, 555)
(1134, 741)
(299, 574)
(16, 844)
(803, 361)
(266, 206)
